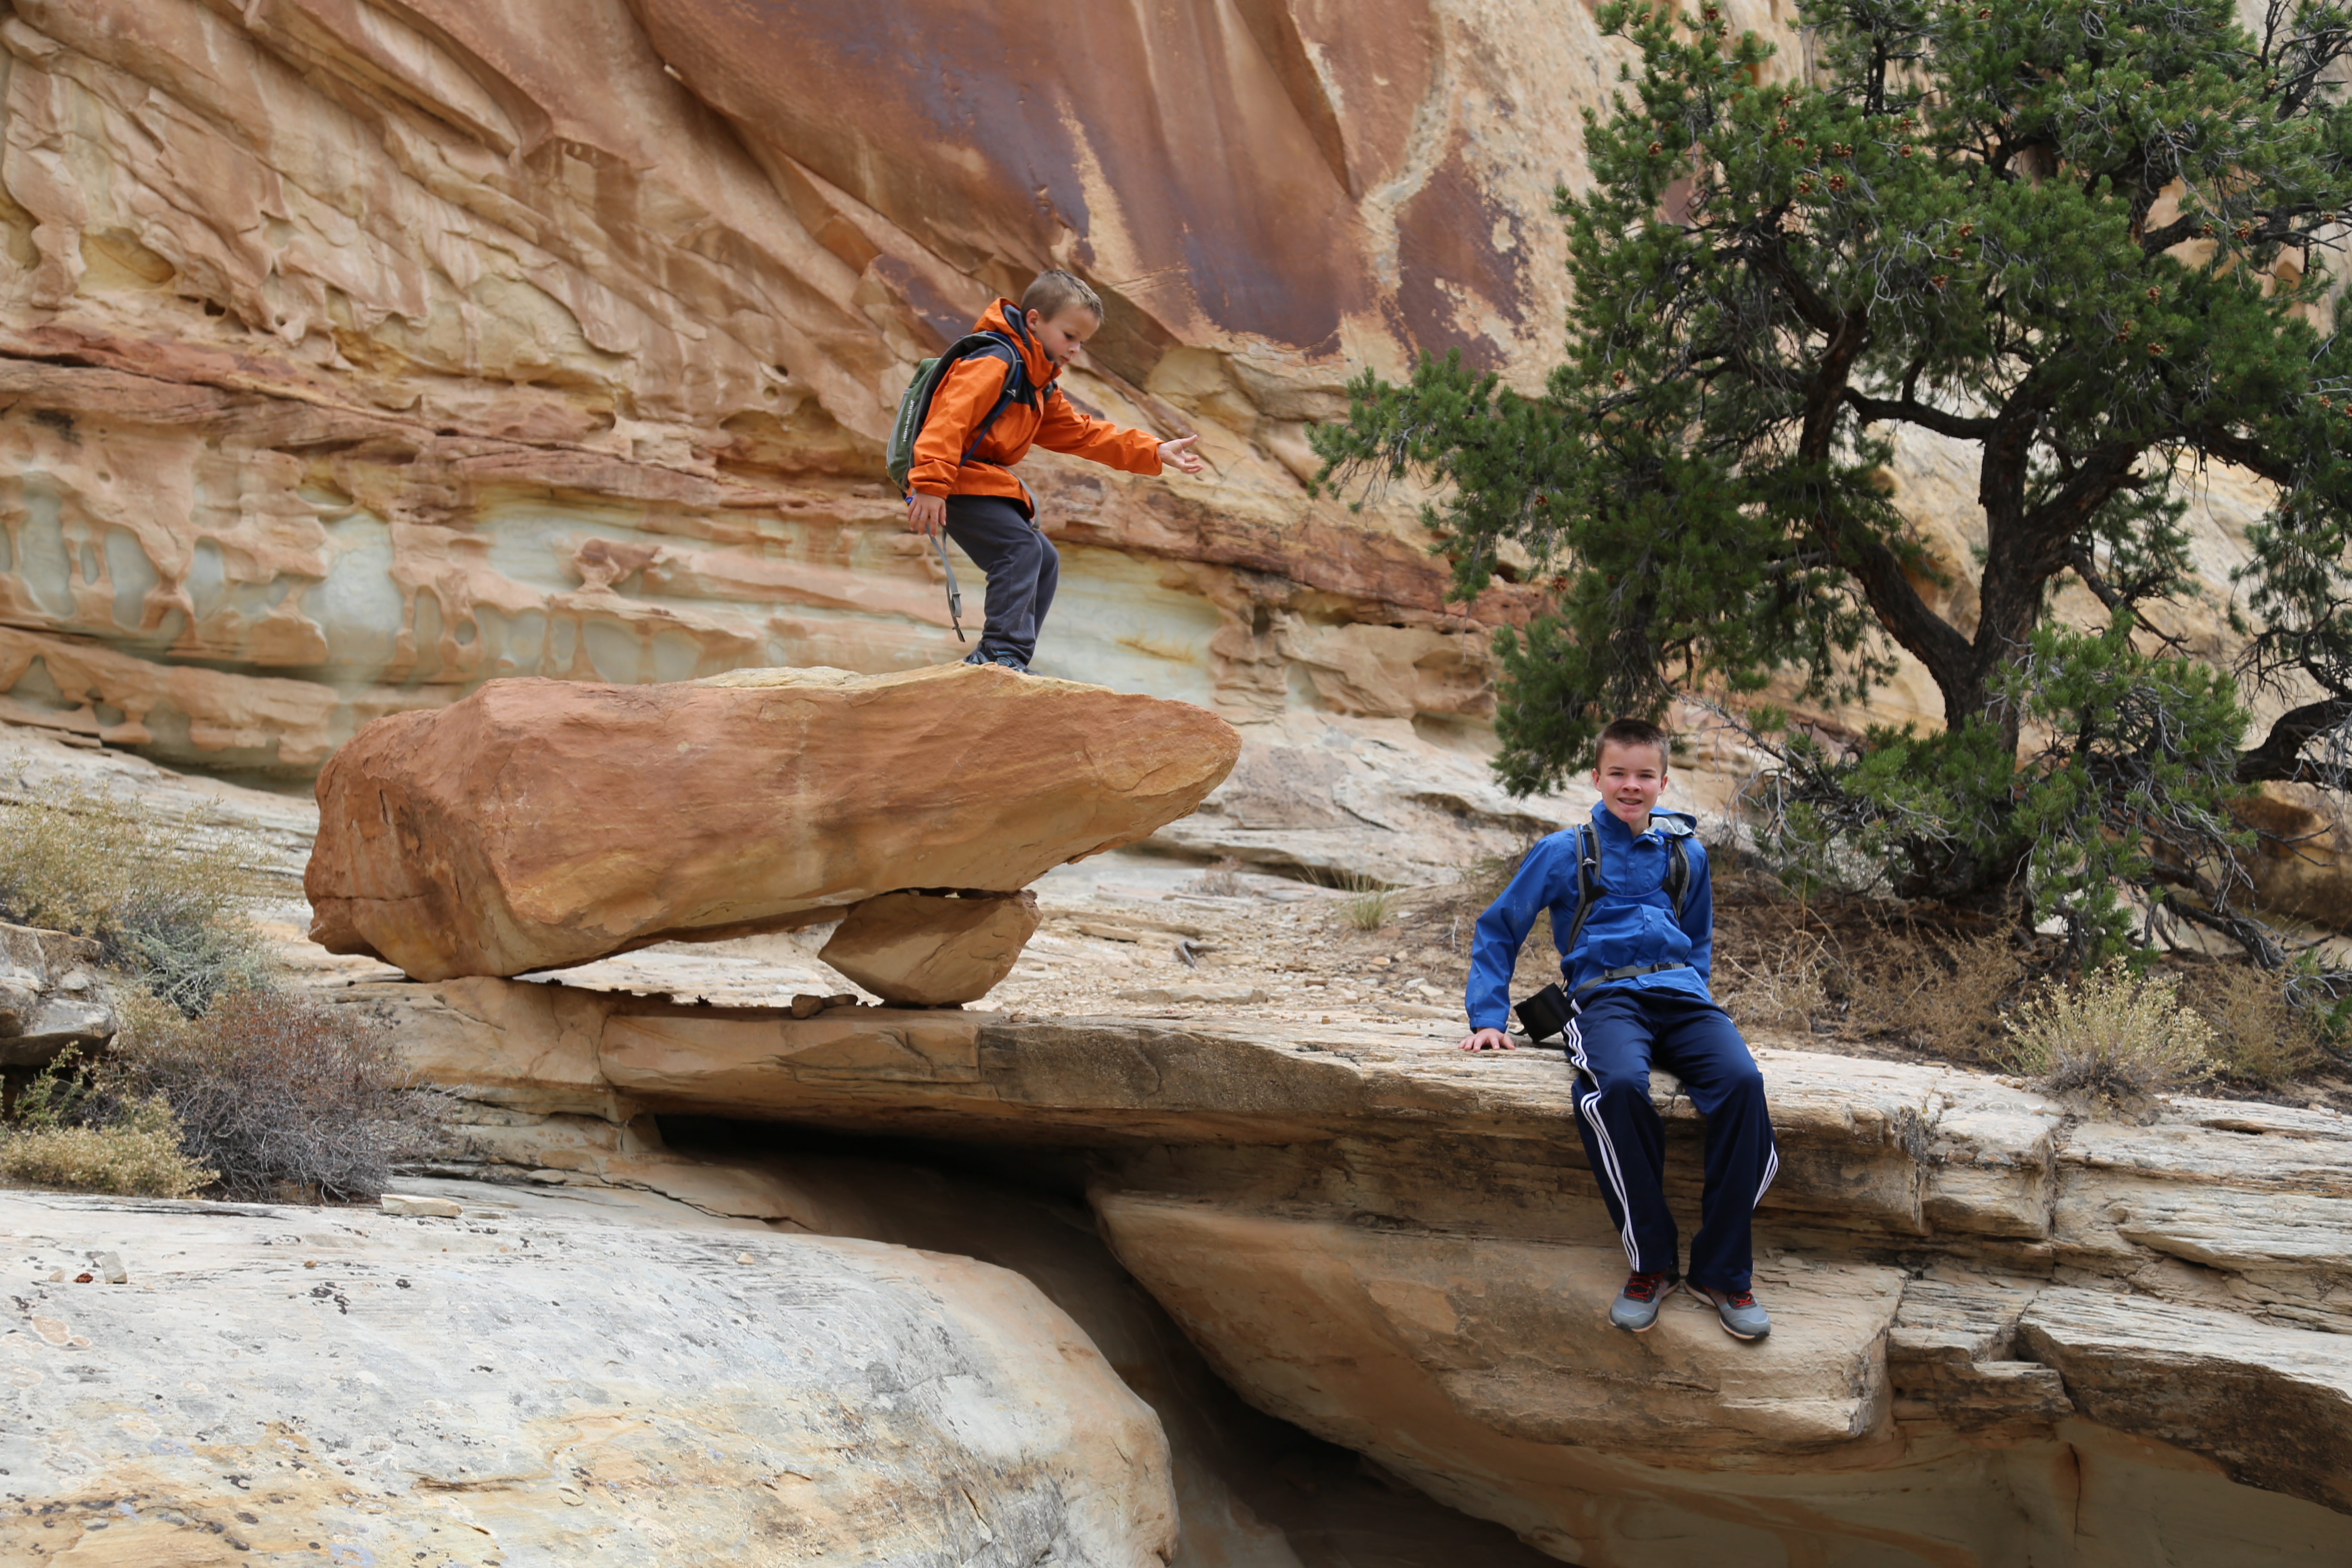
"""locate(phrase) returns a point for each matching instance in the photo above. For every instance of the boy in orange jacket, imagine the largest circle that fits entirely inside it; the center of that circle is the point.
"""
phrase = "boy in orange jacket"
(961, 478)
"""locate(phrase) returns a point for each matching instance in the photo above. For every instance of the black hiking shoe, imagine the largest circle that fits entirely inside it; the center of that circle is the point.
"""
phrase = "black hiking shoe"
(1011, 661)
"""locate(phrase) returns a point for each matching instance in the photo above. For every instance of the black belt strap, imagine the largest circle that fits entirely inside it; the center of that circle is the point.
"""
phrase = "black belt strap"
(1627, 972)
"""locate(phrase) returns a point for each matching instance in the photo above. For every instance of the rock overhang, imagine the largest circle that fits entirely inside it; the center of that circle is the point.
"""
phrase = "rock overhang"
(1399, 1246)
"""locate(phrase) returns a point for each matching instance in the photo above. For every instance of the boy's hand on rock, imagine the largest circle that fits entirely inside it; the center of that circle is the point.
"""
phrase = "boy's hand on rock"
(1179, 454)
(1488, 1041)
(926, 514)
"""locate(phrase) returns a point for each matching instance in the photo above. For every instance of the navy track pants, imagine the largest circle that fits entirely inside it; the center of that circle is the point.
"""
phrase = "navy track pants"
(1022, 567)
(1615, 1038)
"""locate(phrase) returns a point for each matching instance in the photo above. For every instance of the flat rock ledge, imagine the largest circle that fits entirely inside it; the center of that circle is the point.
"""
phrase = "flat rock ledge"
(2000, 1333)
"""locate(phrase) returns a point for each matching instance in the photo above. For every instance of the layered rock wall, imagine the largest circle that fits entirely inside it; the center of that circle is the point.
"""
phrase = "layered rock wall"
(353, 353)
(2001, 1335)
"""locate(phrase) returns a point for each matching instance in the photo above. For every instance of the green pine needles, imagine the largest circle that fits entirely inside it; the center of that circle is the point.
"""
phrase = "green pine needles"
(2084, 240)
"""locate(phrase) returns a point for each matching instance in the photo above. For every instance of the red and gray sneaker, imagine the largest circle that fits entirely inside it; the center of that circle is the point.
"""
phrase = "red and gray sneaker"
(1636, 1307)
(1742, 1318)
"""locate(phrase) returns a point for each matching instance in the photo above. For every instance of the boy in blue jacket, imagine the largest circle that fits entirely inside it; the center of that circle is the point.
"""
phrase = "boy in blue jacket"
(1635, 970)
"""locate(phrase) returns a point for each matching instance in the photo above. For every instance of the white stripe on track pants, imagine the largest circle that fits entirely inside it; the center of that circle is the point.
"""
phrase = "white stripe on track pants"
(1615, 1038)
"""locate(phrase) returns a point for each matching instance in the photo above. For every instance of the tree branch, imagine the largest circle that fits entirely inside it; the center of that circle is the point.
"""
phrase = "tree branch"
(2280, 758)
(1910, 411)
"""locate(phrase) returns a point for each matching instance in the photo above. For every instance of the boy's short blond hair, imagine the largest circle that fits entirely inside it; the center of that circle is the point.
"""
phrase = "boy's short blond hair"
(1055, 291)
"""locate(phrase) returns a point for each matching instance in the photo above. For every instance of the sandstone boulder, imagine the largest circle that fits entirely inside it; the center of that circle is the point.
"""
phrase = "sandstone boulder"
(917, 950)
(540, 824)
(49, 996)
(606, 1378)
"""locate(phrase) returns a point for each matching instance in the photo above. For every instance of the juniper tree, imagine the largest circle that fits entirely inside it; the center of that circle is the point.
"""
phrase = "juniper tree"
(2083, 239)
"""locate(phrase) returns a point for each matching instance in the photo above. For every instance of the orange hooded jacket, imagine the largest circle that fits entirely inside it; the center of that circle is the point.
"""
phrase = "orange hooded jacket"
(971, 390)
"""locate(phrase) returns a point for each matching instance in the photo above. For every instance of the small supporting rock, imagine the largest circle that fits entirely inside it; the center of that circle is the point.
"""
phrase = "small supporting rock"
(921, 950)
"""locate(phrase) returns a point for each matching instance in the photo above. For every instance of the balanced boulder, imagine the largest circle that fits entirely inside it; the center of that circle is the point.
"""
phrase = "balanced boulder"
(538, 824)
(918, 950)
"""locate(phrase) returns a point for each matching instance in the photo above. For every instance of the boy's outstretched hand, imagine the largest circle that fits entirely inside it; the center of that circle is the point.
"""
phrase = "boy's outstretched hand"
(1179, 454)
(1488, 1041)
(925, 513)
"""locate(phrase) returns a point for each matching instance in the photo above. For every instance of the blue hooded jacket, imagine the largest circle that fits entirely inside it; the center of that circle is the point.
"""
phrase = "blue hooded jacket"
(1633, 919)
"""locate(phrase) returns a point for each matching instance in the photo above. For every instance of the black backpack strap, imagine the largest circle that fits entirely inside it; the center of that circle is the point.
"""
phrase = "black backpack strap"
(1678, 872)
(1016, 387)
(1588, 883)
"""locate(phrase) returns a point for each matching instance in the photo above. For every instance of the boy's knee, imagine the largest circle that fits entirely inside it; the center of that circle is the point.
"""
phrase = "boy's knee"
(1623, 1093)
(1744, 1085)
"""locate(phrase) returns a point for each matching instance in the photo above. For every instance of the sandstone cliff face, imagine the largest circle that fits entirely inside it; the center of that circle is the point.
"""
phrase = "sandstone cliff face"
(354, 353)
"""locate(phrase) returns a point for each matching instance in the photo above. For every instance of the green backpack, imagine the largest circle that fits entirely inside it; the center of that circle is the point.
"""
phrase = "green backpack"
(914, 406)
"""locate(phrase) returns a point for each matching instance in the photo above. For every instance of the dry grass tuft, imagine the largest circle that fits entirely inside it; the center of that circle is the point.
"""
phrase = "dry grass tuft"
(1941, 995)
(164, 898)
(2260, 1039)
(136, 1155)
(133, 1151)
(1784, 985)
(278, 1094)
(2111, 1040)
(1369, 905)
(1222, 879)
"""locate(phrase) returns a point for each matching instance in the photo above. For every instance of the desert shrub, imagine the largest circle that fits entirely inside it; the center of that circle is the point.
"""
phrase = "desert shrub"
(134, 1149)
(165, 900)
(2111, 1039)
(276, 1092)
(2261, 1038)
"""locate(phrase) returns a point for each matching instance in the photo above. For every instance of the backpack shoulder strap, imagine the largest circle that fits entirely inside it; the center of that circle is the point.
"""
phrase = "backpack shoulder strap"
(1588, 882)
(993, 345)
(1676, 833)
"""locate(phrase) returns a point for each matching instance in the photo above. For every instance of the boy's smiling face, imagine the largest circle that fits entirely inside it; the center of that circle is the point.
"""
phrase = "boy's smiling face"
(1061, 335)
(1629, 779)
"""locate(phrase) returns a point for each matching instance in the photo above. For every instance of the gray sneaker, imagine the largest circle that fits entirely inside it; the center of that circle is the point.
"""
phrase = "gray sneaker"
(1742, 1318)
(1636, 1306)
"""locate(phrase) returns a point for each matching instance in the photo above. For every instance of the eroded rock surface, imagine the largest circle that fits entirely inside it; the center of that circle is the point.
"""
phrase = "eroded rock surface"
(1399, 1248)
(50, 998)
(554, 1379)
(542, 824)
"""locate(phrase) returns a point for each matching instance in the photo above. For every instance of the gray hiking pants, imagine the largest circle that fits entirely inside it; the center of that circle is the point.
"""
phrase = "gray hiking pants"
(1023, 566)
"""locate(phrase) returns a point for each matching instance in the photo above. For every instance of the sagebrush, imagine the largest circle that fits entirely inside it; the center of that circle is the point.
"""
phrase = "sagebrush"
(278, 1094)
(2113, 1039)
(136, 1153)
